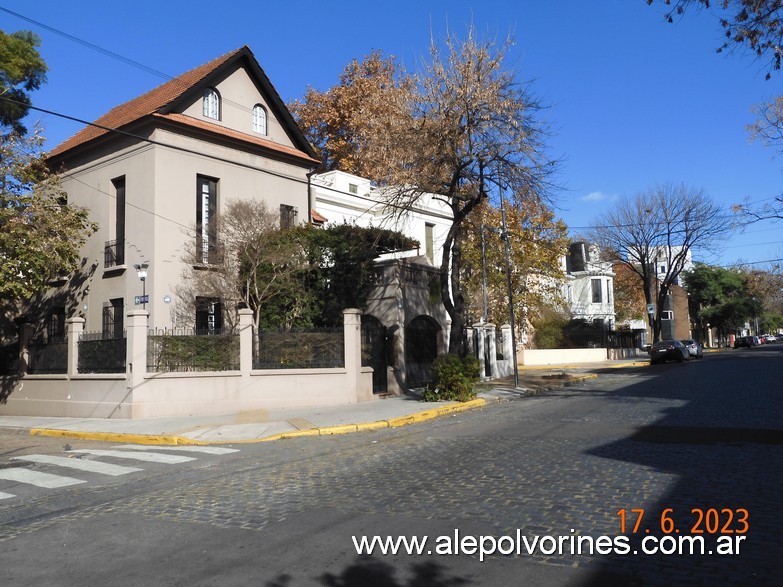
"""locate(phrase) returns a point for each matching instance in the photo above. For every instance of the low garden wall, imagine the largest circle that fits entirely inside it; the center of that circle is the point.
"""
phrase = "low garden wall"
(139, 393)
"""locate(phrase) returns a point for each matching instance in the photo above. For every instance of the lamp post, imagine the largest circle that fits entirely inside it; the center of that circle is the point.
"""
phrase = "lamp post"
(141, 271)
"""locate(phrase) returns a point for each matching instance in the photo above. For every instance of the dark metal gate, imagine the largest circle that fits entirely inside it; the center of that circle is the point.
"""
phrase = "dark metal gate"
(421, 348)
(374, 351)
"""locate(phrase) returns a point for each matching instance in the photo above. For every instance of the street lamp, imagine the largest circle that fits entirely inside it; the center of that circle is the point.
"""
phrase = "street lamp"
(141, 271)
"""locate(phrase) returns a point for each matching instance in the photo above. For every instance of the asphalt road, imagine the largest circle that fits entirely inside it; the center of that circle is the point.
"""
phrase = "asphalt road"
(697, 446)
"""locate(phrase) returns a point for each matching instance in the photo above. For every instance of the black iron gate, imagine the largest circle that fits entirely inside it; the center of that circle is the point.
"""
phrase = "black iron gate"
(374, 351)
(421, 348)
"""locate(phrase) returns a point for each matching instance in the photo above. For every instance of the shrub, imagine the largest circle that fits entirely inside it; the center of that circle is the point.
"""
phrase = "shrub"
(455, 379)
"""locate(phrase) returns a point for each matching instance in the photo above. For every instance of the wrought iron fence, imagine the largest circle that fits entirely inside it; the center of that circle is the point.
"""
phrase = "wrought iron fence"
(100, 352)
(188, 350)
(306, 348)
(47, 357)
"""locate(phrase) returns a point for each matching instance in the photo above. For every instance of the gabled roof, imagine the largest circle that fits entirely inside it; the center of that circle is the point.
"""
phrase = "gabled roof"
(164, 99)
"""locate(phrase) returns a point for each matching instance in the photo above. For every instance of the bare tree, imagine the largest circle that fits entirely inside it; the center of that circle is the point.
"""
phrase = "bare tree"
(470, 130)
(247, 239)
(660, 227)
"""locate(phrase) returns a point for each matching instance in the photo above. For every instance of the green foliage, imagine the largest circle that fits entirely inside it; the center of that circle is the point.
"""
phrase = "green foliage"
(455, 379)
(194, 353)
(334, 271)
(22, 70)
(40, 235)
(549, 324)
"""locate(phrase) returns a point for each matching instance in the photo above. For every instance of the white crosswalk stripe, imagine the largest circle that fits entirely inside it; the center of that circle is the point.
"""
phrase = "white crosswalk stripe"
(212, 450)
(150, 457)
(37, 478)
(80, 464)
(137, 452)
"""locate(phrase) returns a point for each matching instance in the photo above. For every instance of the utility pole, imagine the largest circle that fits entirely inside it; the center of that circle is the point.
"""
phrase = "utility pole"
(508, 284)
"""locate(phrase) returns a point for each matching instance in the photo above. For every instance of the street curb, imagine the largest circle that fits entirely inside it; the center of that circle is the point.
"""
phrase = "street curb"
(151, 439)
(164, 439)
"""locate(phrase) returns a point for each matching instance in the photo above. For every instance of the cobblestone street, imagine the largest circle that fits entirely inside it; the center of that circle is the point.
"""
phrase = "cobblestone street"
(685, 437)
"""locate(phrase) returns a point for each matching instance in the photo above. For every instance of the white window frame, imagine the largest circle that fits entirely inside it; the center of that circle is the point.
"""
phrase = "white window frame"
(211, 104)
(259, 119)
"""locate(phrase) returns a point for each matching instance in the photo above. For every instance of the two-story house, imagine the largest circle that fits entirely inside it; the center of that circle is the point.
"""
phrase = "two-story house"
(155, 173)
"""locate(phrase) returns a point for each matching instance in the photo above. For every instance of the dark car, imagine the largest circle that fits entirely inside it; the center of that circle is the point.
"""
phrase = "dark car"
(668, 350)
(694, 348)
(744, 342)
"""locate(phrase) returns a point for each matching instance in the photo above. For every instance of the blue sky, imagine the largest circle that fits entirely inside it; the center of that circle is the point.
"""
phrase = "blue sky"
(634, 101)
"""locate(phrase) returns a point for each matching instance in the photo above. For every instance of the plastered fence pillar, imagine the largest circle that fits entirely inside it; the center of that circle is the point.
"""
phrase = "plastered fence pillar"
(75, 328)
(481, 353)
(245, 341)
(25, 337)
(352, 331)
(137, 347)
(492, 350)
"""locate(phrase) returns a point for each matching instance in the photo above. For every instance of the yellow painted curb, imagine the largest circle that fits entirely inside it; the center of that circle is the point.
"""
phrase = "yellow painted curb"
(163, 439)
(372, 425)
(151, 439)
(342, 429)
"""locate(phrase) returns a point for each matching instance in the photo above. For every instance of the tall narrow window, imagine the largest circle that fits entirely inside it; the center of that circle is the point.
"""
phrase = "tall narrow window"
(596, 286)
(55, 326)
(119, 221)
(206, 220)
(209, 316)
(259, 119)
(288, 216)
(112, 318)
(609, 291)
(429, 241)
(211, 104)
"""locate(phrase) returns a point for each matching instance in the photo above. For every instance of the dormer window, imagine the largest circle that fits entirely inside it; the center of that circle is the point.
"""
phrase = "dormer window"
(259, 119)
(211, 104)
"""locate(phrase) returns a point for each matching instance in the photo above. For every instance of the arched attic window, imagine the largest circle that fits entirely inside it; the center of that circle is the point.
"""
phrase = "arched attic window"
(211, 104)
(259, 119)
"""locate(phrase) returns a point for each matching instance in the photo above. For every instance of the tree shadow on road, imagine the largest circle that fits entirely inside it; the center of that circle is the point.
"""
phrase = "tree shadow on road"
(367, 570)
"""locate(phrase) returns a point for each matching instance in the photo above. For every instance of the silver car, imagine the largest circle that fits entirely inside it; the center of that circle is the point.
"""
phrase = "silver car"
(694, 348)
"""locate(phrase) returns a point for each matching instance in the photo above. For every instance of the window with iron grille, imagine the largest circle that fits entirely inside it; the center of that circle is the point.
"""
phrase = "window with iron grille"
(288, 216)
(113, 318)
(55, 325)
(209, 315)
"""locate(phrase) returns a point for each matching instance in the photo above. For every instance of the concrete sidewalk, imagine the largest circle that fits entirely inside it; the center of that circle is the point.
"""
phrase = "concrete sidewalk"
(263, 425)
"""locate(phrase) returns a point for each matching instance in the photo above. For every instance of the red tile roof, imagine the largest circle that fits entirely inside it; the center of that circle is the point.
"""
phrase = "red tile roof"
(235, 134)
(317, 218)
(156, 101)
(144, 105)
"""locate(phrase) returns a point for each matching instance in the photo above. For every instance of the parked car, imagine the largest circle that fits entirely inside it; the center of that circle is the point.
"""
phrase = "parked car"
(668, 350)
(694, 348)
(746, 341)
(768, 338)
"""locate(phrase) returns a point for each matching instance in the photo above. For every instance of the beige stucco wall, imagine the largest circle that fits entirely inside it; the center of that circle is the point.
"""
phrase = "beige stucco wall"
(160, 212)
(238, 95)
(560, 356)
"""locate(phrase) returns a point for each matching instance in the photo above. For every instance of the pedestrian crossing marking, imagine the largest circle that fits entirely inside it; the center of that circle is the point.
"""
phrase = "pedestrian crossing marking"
(38, 478)
(138, 456)
(212, 450)
(80, 464)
